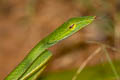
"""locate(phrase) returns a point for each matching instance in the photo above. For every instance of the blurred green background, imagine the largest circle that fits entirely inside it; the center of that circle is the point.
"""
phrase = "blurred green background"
(23, 23)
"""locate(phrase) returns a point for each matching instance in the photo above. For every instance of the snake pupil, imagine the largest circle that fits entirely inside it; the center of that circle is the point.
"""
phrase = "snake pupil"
(71, 26)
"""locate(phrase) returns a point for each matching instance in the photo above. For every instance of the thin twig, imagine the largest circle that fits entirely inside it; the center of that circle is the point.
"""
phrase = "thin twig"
(110, 62)
(96, 42)
(85, 63)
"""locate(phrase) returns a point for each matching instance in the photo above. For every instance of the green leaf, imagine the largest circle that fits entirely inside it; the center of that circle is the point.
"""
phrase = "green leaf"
(98, 72)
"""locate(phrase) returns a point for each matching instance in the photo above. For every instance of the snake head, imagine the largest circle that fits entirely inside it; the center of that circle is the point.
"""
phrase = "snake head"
(75, 24)
(68, 28)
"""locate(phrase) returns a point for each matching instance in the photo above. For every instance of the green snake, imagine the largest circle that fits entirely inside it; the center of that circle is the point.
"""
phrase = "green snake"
(35, 62)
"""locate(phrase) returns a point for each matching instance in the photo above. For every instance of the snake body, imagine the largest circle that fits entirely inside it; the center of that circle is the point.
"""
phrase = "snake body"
(30, 65)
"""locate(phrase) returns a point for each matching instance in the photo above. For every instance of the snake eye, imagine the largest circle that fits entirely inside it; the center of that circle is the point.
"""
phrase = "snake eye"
(71, 26)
